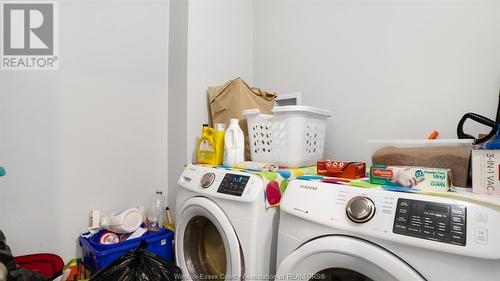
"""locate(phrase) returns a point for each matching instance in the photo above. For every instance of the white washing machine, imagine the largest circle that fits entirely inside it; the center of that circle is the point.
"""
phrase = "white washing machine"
(224, 231)
(336, 232)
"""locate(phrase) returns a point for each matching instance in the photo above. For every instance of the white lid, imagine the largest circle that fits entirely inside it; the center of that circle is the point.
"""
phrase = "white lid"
(302, 108)
(234, 121)
(220, 127)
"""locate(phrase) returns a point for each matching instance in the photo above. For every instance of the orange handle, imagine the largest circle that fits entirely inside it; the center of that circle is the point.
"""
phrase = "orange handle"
(433, 135)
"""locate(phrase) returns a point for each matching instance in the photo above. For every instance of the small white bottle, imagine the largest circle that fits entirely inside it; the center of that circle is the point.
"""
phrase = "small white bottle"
(234, 144)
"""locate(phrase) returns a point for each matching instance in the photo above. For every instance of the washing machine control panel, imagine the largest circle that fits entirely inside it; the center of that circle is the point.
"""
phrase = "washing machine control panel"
(432, 221)
(233, 184)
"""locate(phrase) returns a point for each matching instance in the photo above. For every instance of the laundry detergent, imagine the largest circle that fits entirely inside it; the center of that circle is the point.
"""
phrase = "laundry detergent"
(206, 153)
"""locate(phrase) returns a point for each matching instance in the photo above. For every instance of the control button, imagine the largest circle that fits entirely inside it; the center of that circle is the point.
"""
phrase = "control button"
(207, 180)
(400, 227)
(481, 217)
(404, 203)
(457, 219)
(417, 222)
(481, 236)
(413, 229)
(427, 232)
(403, 212)
(415, 225)
(442, 229)
(457, 238)
(385, 211)
(441, 235)
(360, 209)
(458, 211)
(457, 228)
(428, 226)
(401, 219)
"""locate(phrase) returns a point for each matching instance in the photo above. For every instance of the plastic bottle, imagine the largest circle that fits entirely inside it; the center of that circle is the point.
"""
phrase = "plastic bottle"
(155, 212)
(234, 144)
(206, 148)
(220, 130)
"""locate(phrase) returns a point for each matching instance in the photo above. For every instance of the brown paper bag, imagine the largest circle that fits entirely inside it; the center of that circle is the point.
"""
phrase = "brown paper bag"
(229, 100)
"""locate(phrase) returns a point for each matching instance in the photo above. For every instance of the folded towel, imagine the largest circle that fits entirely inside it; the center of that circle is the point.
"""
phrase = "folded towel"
(276, 182)
(257, 166)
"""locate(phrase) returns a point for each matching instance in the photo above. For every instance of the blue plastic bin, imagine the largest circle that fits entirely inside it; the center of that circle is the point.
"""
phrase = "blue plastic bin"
(97, 256)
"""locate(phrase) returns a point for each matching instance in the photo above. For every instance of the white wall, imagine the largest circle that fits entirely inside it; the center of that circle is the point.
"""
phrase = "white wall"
(92, 135)
(177, 95)
(386, 69)
(219, 48)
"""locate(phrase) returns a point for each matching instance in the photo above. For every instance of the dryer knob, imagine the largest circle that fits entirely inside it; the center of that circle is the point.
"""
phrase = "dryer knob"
(360, 209)
(207, 180)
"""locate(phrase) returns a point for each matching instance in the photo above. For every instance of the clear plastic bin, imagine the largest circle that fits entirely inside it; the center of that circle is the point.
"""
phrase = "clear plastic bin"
(451, 154)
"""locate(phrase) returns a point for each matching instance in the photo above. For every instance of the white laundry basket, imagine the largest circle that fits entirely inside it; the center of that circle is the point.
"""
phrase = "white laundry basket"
(293, 137)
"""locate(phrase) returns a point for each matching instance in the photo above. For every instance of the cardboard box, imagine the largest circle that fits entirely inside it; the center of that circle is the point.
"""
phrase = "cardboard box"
(420, 178)
(340, 169)
(486, 171)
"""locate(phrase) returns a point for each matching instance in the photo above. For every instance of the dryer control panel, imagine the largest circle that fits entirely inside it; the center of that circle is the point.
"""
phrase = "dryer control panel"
(458, 227)
(233, 184)
(222, 183)
(432, 221)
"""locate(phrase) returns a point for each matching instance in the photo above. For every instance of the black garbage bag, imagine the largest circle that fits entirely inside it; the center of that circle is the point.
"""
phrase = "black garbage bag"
(139, 265)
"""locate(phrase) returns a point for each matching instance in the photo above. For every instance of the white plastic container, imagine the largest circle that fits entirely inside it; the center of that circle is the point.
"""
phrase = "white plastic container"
(125, 222)
(293, 137)
(234, 144)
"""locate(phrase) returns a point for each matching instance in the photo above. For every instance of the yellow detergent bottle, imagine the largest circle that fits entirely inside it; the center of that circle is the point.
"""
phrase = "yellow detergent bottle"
(220, 131)
(206, 148)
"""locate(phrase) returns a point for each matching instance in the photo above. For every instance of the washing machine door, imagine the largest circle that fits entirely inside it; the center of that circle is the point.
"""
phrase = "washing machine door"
(207, 247)
(343, 258)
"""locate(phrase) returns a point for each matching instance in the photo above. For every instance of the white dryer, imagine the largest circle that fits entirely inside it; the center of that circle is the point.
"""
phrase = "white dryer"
(224, 231)
(337, 232)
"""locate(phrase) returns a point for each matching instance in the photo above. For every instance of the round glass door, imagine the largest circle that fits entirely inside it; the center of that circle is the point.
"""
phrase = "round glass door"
(343, 258)
(339, 274)
(204, 249)
(206, 244)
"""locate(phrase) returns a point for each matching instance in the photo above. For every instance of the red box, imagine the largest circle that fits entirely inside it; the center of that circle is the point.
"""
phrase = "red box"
(340, 169)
